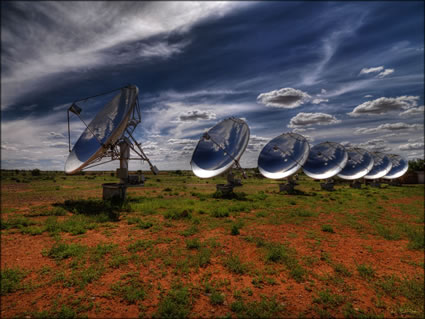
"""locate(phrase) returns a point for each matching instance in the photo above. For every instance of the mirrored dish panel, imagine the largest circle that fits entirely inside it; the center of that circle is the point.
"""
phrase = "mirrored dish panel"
(381, 166)
(399, 167)
(359, 163)
(108, 126)
(325, 160)
(283, 156)
(219, 147)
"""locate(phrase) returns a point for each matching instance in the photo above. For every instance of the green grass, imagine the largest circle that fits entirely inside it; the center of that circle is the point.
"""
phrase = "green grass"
(280, 253)
(11, 280)
(217, 298)
(131, 290)
(365, 271)
(264, 308)
(342, 270)
(220, 212)
(176, 303)
(16, 222)
(193, 243)
(178, 214)
(234, 264)
(140, 245)
(235, 230)
(326, 298)
(61, 251)
(327, 229)
(139, 223)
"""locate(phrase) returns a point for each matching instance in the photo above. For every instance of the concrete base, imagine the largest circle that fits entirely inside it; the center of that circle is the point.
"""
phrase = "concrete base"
(327, 186)
(111, 190)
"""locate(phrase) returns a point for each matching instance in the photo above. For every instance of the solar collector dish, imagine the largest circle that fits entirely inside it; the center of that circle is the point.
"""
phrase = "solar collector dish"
(283, 156)
(218, 148)
(359, 163)
(381, 166)
(108, 126)
(325, 160)
(399, 167)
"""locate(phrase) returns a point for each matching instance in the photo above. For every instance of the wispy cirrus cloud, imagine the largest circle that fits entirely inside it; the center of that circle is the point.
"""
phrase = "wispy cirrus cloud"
(78, 36)
(389, 127)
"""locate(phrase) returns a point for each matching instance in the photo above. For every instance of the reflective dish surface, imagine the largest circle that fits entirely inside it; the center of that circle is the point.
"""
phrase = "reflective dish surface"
(283, 156)
(359, 163)
(108, 126)
(381, 166)
(399, 167)
(218, 148)
(325, 160)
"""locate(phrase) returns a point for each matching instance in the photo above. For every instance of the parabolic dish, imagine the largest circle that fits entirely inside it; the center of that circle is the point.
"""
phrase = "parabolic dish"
(325, 160)
(381, 166)
(220, 147)
(399, 168)
(359, 163)
(283, 155)
(108, 126)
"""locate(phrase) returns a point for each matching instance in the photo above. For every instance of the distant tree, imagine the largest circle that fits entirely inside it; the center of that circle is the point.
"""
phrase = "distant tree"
(178, 172)
(35, 172)
(416, 165)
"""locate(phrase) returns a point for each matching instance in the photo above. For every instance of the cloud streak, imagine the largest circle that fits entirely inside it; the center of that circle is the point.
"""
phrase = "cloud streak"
(384, 105)
(389, 127)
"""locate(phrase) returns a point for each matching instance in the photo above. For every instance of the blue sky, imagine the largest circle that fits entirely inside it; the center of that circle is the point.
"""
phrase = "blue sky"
(348, 72)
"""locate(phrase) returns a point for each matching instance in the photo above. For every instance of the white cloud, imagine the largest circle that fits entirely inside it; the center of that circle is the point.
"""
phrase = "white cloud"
(389, 127)
(371, 70)
(307, 119)
(378, 69)
(367, 96)
(256, 143)
(287, 98)
(377, 144)
(385, 73)
(411, 146)
(385, 104)
(197, 115)
(413, 111)
(318, 101)
(162, 50)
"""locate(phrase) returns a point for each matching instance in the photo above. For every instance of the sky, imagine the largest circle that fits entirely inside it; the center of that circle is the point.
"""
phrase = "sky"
(347, 72)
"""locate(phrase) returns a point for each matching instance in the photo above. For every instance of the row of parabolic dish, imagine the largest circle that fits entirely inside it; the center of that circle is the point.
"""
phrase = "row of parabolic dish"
(223, 145)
